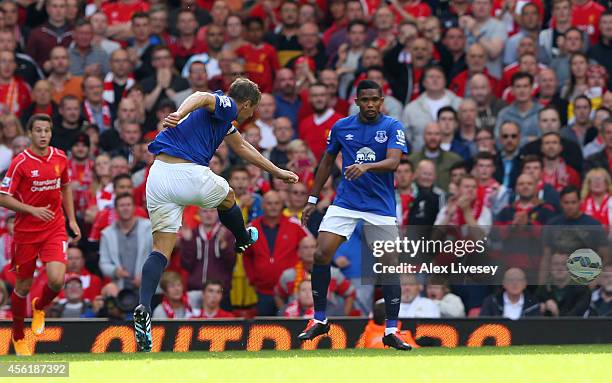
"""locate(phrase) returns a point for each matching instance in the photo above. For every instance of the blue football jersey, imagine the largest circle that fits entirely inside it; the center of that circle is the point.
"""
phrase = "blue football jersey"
(198, 135)
(360, 142)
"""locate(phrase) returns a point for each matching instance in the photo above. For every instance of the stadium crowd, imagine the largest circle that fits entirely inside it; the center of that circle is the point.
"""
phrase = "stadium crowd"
(506, 106)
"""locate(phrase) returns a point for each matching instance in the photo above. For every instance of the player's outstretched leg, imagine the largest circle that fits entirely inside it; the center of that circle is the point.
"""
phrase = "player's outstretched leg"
(154, 266)
(393, 294)
(327, 244)
(231, 217)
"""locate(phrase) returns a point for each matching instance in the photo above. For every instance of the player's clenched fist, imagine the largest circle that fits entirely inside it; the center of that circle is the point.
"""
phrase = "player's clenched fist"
(288, 177)
(172, 120)
(354, 171)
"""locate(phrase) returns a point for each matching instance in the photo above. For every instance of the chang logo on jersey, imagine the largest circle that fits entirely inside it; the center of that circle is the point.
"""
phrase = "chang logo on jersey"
(6, 182)
(365, 154)
(381, 136)
(225, 102)
(52, 184)
(400, 137)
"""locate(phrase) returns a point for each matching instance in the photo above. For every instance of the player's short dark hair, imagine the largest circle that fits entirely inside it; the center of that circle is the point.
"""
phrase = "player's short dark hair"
(38, 117)
(123, 196)
(253, 20)
(243, 90)
(212, 282)
(448, 109)
(583, 97)
(529, 158)
(483, 156)
(368, 84)
(521, 75)
(237, 169)
(119, 177)
(569, 189)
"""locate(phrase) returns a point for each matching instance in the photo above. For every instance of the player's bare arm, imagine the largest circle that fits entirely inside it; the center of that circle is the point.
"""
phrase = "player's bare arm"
(323, 172)
(68, 204)
(191, 103)
(248, 153)
(12, 203)
(389, 164)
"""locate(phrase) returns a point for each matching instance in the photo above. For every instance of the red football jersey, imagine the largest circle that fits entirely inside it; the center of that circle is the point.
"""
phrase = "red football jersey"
(260, 64)
(37, 181)
(118, 12)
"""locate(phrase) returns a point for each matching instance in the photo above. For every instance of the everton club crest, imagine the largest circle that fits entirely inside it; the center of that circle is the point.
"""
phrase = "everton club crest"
(381, 136)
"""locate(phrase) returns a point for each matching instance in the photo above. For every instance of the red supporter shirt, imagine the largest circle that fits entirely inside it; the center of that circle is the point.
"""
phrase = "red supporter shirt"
(314, 131)
(418, 10)
(459, 84)
(119, 12)
(260, 64)
(586, 18)
(14, 96)
(83, 174)
(37, 181)
(107, 217)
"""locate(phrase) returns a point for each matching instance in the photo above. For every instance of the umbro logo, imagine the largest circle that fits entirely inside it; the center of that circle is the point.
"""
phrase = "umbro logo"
(34, 173)
(349, 137)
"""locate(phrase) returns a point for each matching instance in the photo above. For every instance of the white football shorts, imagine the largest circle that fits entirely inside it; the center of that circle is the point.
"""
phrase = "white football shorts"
(171, 187)
(341, 221)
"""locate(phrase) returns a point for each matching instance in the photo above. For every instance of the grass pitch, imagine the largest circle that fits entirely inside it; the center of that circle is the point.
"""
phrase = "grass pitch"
(583, 363)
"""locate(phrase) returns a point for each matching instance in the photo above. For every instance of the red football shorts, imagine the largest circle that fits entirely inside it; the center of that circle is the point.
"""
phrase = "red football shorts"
(52, 249)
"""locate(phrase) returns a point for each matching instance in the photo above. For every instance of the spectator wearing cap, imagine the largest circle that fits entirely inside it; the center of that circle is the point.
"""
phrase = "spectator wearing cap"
(425, 108)
(275, 251)
(602, 51)
(164, 83)
(27, 68)
(198, 82)
(74, 305)
(14, 92)
(69, 124)
(207, 253)
(514, 302)
(212, 298)
(41, 102)
(186, 43)
(125, 245)
(84, 57)
(55, 32)
(175, 303)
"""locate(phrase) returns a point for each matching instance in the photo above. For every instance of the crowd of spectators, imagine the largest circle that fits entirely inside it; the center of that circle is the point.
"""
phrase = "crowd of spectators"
(506, 106)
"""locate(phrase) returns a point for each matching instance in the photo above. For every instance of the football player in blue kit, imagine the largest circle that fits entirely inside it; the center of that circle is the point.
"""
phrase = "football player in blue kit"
(372, 145)
(180, 176)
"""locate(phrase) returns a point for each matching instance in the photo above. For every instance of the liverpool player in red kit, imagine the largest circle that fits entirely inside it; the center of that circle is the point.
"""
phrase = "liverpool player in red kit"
(36, 186)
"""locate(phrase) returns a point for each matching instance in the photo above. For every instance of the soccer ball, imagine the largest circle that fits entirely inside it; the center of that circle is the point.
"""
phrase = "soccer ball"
(584, 265)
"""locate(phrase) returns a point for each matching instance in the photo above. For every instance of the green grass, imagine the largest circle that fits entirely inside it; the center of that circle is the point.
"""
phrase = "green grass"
(584, 363)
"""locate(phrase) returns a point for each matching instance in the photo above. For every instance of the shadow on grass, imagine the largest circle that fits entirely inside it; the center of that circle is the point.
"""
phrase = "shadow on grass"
(300, 354)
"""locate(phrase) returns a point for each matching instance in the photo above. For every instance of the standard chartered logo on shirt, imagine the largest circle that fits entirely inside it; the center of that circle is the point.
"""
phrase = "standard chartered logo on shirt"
(365, 154)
